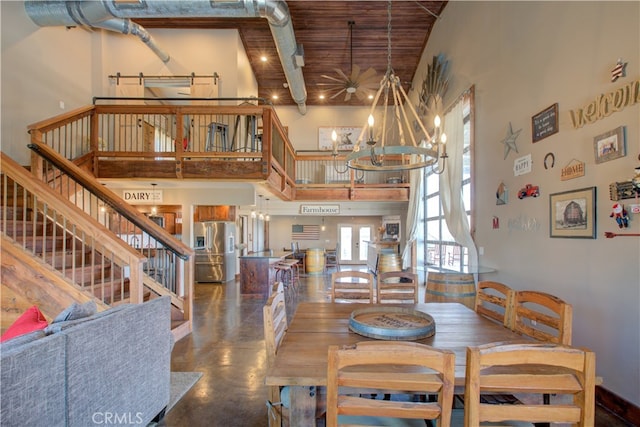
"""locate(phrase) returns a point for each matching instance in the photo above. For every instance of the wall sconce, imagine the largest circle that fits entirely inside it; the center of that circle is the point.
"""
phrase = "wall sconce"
(154, 209)
(266, 209)
(260, 214)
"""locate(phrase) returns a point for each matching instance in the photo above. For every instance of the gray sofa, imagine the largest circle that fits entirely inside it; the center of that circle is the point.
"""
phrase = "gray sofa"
(112, 368)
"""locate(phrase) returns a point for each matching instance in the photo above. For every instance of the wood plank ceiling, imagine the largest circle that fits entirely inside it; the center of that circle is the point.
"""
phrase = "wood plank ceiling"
(322, 27)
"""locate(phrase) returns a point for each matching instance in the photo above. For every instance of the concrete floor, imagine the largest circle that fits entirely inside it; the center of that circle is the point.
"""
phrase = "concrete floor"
(227, 346)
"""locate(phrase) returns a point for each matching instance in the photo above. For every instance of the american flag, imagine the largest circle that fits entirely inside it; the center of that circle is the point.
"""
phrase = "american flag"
(618, 71)
(305, 232)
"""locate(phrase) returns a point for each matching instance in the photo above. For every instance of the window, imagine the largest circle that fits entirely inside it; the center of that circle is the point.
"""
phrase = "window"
(437, 247)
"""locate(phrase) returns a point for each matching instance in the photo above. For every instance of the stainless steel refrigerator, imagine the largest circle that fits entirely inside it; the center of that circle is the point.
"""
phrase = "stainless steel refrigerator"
(215, 251)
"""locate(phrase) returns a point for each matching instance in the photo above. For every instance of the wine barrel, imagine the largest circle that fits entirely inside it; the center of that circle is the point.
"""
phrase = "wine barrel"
(451, 287)
(315, 261)
(389, 262)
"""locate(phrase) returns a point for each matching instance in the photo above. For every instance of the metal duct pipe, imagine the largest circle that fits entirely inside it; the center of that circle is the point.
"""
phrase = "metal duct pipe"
(126, 26)
(95, 13)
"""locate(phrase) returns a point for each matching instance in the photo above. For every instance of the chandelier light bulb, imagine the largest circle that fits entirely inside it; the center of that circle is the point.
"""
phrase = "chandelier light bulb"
(436, 121)
(370, 122)
(443, 138)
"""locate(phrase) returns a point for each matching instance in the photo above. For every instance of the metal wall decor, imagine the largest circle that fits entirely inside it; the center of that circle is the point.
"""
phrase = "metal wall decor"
(502, 194)
(510, 141)
(434, 87)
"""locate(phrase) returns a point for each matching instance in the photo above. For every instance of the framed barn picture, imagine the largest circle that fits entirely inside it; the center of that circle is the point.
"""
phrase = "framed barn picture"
(572, 214)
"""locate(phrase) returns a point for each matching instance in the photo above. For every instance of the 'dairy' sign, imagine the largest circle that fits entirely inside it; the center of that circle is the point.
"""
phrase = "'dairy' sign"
(142, 196)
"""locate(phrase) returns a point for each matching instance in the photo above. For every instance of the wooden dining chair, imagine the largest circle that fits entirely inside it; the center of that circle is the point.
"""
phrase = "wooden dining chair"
(352, 286)
(380, 366)
(331, 259)
(542, 316)
(525, 368)
(495, 301)
(397, 287)
(274, 315)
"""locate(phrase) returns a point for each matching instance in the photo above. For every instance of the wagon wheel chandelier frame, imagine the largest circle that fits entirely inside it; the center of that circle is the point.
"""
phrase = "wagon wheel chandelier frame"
(414, 156)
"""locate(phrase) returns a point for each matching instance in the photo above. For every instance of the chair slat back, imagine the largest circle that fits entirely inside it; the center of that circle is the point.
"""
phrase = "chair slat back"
(530, 368)
(373, 365)
(331, 258)
(352, 286)
(397, 287)
(275, 324)
(495, 301)
(542, 316)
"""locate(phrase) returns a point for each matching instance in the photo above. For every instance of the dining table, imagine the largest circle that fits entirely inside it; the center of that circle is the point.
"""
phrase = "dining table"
(301, 359)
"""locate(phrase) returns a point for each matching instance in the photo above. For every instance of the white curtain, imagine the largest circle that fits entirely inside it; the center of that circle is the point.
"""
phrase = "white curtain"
(413, 214)
(451, 184)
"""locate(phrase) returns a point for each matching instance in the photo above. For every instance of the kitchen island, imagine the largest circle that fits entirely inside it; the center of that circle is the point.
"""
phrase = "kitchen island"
(257, 274)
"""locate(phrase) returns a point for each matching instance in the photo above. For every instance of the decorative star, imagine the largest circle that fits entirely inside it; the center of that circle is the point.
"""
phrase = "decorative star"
(510, 141)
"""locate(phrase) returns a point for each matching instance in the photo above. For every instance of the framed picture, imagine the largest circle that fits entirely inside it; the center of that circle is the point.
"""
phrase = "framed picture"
(572, 214)
(545, 123)
(610, 145)
(347, 136)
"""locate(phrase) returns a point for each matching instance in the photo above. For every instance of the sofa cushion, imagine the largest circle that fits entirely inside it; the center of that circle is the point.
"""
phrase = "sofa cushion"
(77, 311)
(57, 327)
(32, 381)
(31, 320)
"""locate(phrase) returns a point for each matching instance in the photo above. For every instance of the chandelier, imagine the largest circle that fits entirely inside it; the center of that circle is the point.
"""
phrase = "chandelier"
(398, 119)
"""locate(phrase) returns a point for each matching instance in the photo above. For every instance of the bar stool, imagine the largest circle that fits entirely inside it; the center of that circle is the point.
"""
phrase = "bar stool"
(295, 269)
(217, 132)
(284, 274)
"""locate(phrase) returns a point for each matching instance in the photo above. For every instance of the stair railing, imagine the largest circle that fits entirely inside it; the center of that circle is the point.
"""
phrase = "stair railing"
(169, 266)
(36, 219)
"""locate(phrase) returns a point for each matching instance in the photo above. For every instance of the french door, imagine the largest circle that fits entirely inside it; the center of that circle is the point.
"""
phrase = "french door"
(353, 240)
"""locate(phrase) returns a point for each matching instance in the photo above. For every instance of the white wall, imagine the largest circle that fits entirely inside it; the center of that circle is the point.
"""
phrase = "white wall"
(523, 57)
(37, 76)
(303, 129)
(201, 52)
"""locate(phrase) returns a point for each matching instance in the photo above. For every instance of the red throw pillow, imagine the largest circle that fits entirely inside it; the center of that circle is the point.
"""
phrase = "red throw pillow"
(31, 320)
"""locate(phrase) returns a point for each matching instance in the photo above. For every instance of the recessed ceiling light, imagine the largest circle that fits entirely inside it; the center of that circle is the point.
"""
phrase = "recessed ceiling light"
(321, 97)
(370, 96)
(263, 58)
(274, 96)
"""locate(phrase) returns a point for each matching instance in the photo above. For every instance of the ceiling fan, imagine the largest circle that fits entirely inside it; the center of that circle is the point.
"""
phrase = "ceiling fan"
(360, 84)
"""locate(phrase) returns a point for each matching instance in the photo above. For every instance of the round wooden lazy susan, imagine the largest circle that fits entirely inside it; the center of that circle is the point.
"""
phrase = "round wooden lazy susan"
(392, 323)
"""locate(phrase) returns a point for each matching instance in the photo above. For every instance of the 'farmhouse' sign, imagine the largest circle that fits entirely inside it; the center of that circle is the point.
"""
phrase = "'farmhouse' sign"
(319, 209)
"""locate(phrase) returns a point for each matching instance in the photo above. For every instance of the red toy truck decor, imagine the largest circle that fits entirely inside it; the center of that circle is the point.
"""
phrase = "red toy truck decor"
(529, 191)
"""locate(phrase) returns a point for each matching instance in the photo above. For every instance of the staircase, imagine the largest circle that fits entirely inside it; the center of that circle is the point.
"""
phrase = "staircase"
(54, 252)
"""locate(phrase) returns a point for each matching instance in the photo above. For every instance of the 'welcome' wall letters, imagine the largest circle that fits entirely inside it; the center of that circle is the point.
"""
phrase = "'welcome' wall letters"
(606, 104)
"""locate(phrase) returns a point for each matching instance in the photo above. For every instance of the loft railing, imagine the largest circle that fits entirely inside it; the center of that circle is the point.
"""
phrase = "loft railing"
(168, 269)
(317, 168)
(205, 141)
